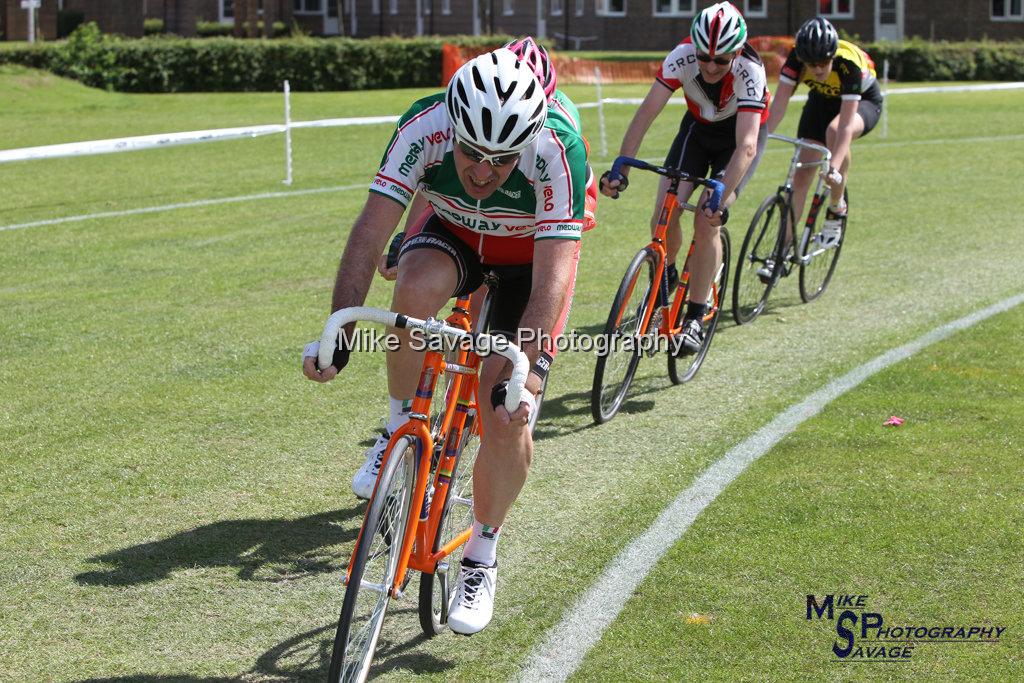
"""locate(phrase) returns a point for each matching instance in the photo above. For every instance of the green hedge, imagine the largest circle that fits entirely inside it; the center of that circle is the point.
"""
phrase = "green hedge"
(919, 60)
(170, 64)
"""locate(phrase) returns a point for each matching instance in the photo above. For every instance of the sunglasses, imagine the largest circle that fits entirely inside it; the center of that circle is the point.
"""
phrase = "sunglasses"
(819, 65)
(720, 61)
(478, 157)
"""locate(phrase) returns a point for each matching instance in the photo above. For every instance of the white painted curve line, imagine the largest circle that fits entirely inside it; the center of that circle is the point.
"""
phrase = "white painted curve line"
(564, 648)
(184, 205)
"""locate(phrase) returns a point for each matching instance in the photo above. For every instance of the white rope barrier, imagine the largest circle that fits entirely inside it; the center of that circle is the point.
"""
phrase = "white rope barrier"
(142, 142)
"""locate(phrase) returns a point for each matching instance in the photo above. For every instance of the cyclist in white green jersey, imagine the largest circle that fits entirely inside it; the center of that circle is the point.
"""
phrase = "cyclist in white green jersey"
(505, 180)
(535, 57)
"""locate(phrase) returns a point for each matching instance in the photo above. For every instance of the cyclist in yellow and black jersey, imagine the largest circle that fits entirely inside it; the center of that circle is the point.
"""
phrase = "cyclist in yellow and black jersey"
(845, 103)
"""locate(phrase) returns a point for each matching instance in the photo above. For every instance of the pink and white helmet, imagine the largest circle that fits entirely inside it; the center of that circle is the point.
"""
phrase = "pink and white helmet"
(536, 57)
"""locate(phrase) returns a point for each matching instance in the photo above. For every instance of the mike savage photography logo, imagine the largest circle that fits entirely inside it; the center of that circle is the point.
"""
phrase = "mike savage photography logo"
(371, 339)
(863, 635)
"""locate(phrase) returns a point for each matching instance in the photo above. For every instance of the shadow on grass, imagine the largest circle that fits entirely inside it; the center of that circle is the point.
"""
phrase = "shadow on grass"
(261, 549)
(307, 657)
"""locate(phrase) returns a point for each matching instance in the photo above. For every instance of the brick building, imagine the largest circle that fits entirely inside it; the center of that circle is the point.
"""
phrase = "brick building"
(659, 24)
(589, 24)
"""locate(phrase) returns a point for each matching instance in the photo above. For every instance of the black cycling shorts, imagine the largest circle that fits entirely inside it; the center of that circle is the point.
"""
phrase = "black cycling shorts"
(704, 150)
(819, 112)
(512, 292)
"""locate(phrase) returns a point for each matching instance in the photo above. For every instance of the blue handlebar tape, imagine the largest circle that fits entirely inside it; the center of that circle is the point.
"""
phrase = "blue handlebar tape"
(717, 188)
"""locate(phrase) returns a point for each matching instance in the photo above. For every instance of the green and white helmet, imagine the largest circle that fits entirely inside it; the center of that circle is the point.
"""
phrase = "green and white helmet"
(719, 30)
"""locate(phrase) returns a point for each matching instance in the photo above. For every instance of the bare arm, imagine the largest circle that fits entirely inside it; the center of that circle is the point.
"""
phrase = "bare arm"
(369, 235)
(553, 266)
(841, 146)
(747, 125)
(656, 99)
(779, 104)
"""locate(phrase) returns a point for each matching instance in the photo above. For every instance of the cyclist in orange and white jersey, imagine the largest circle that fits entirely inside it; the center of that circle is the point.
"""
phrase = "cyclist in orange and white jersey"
(844, 104)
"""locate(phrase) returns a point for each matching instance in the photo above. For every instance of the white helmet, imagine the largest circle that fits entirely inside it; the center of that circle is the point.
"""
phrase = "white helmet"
(496, 103)
(719, 29)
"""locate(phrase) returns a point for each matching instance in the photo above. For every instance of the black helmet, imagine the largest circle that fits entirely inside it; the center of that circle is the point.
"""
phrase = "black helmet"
(816, 41)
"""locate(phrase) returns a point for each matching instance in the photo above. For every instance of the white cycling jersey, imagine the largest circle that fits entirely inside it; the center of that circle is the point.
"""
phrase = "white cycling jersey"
(744, 88)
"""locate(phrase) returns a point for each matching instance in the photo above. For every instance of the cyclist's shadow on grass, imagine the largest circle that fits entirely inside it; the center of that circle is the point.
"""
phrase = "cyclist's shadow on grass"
(577, 406)
(261, 549)
(307, 657)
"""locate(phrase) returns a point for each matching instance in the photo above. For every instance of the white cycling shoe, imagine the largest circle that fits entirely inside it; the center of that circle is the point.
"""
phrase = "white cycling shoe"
(473, 605)
(831, 230)
(366, 476)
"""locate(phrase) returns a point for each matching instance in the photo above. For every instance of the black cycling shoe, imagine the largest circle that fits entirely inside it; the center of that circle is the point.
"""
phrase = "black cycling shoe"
(691, 340)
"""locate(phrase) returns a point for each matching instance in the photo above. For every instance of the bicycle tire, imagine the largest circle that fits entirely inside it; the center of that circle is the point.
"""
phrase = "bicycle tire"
(818, 265)
(749, 292)
(722, 282)
(388, 510)
(435, 589)
(605, 401)
(535, 415)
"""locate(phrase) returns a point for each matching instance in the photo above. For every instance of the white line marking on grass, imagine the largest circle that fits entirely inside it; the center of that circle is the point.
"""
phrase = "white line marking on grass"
(184, 205)
(564, 648)
(343, 188)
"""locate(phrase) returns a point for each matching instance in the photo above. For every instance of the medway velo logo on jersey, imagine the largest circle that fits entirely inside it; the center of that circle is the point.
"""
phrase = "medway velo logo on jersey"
(417, 147)
(864, 635)
(474, 223)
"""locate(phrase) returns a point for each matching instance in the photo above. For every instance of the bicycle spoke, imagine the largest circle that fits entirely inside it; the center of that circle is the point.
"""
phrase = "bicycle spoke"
(375, 564)
(756, 270)
(615, 368)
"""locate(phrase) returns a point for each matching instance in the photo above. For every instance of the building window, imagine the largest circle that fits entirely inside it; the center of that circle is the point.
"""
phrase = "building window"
(673, 8)
(579, 8)
(842, 9)
(756, 8)
(508, 7)
(611, 8)
(308, 7)
(392, 6)
(227, 10)
(375, 7)
(556, 8)
(1007, 9)
(446, 6)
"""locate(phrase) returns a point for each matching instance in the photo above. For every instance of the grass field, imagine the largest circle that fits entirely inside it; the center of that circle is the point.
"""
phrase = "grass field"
(174, 496)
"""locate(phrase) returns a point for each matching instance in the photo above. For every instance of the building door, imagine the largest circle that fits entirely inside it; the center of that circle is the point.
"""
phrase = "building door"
(331, 27)
(888, 19)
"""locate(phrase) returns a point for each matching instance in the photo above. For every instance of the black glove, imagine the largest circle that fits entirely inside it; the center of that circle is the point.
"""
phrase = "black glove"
(623, 183)
(344, 349)
(394, 249)
(723, 209)
(498, 393)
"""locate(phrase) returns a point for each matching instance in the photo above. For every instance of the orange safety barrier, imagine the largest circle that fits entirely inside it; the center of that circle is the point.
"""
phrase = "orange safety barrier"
(773, 51)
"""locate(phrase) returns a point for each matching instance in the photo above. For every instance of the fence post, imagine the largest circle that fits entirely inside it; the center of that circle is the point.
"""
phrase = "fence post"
(287, 133)
(885, 99)
(600, 112)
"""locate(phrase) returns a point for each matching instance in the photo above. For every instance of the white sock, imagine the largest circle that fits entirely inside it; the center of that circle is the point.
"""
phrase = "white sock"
(483, 544)
(399, 413)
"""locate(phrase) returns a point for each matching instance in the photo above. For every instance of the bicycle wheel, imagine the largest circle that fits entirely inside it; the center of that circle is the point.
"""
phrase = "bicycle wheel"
(817, 262)
(616, 367)
(678, 370)
(374, 565)
(762, 242)
(435, 589)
